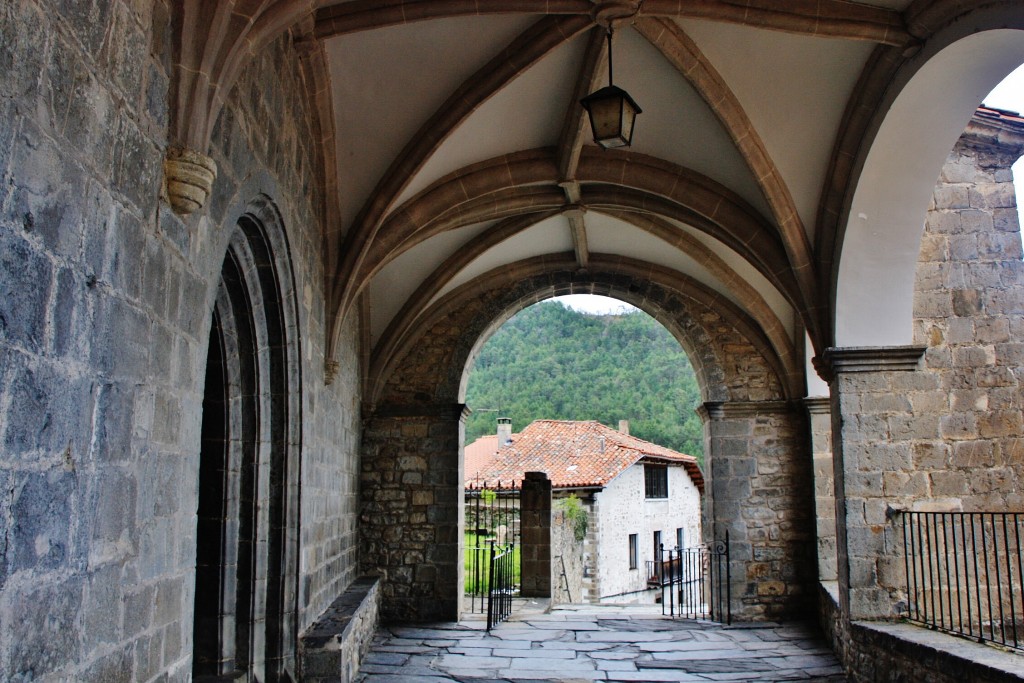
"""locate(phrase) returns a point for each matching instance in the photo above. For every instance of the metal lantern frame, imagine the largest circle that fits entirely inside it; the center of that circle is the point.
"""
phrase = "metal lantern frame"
(611, 110)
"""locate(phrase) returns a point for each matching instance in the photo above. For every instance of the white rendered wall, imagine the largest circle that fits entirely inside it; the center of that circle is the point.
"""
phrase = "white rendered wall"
(622, 509)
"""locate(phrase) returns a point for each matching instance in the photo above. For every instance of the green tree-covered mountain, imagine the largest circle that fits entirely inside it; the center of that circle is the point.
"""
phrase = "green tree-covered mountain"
(551, 362)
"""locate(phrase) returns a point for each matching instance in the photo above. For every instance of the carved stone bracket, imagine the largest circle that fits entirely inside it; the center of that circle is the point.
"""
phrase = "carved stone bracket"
(188, 178)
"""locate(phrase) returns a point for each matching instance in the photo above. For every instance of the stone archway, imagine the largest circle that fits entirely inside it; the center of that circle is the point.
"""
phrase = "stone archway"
(900, 156)
(246, 599)
(411, 479)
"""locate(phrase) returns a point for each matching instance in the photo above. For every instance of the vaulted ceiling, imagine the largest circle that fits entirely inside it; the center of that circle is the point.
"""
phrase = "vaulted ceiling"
(461, 149)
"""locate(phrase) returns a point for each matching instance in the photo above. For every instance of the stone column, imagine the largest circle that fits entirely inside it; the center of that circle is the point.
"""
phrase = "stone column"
(411, 509)
(759, 488)
(535, 518)
(873, 432)
(819, 415)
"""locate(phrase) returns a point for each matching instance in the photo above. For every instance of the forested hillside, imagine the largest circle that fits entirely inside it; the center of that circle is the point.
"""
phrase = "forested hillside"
(552, 362)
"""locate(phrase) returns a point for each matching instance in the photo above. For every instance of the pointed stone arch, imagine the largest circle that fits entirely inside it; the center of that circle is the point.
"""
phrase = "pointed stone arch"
(411, 483)
(246, 598)
(888, 155)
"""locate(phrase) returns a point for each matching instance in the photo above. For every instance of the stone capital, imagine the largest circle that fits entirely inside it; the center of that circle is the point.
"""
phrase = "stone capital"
(442, 411)
(728, 410)
(188, 179)
(996, 133)
(818, 405)
(836, 360)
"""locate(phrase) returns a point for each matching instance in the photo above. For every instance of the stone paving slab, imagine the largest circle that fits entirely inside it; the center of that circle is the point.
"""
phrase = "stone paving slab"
(577, 644)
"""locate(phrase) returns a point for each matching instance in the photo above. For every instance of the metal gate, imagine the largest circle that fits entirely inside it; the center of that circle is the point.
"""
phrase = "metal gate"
(492, 529)
(695, 582)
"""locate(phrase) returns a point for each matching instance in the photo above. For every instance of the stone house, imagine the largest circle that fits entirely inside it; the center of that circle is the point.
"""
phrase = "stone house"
(638, 495)
(249, 248)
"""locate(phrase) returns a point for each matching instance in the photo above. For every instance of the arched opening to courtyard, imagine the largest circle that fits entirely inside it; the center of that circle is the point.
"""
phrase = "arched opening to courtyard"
(596, 401)
(758, 480)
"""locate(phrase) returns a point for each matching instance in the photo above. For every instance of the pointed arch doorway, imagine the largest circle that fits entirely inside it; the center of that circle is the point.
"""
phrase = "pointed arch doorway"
(246, 597)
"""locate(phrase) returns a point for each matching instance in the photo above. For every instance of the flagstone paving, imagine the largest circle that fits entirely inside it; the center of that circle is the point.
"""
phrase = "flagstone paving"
(598, 643)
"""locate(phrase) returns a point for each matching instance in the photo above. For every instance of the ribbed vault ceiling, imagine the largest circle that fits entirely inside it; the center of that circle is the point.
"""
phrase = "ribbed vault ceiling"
(461, 147)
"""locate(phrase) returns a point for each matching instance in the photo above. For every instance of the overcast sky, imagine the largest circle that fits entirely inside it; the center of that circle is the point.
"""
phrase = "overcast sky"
(1008, 95)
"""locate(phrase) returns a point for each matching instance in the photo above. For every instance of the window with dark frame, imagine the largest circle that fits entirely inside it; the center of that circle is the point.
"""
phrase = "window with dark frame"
(655, 481)
(633, 552)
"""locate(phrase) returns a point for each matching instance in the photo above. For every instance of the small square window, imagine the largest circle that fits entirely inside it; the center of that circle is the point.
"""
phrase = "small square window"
(656, 481)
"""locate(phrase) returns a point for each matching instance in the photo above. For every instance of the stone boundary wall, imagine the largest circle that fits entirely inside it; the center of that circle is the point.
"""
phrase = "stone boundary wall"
(565, 548)
(887, 652)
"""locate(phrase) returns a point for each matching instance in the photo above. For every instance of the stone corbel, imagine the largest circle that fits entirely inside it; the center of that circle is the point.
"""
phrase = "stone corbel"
(330, 372)
(188, 179)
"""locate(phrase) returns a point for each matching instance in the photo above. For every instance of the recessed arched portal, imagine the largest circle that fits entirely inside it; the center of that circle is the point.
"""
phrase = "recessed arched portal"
(925, 110)
(411, 484)
(245, 612)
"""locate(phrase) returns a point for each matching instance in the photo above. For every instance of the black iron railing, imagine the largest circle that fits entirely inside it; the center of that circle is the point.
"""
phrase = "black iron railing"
(694, 582)
(502, 586)
(965, 573)
(491, 514)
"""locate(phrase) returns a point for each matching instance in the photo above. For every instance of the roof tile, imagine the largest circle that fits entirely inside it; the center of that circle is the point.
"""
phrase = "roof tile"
(574, 454)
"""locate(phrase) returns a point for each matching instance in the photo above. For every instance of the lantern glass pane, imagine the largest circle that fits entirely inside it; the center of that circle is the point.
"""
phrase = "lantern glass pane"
(628, 119)
(605, 117)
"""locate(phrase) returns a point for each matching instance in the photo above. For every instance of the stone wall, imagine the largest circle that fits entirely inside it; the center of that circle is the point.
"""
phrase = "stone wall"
(567, 556)
(759, 489)
(411, 509)
(264, 125)
(942, 432)
(819, 416)
(886, 652)
(105, 299)
(969, 311)
(537, 572)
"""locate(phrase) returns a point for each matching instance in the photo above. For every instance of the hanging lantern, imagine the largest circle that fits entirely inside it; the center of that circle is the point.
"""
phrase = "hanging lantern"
(612, 111)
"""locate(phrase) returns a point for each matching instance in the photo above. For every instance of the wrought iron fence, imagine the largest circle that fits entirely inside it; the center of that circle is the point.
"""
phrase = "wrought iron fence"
(502, 588)
(491, 514)
(695, 582)
(965, 573)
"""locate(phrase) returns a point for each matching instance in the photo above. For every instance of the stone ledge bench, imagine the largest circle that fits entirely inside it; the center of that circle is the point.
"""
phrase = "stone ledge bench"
(331, 650)
(882, 651)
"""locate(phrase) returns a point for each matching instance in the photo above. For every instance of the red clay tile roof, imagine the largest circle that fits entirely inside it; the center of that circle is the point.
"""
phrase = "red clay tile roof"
(1002, 114)
(479, 454)
(571, 453)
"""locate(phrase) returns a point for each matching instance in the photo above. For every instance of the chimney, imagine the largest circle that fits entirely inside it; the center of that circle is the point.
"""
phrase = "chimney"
(624, 427)
(504, 431)
(601, 444)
